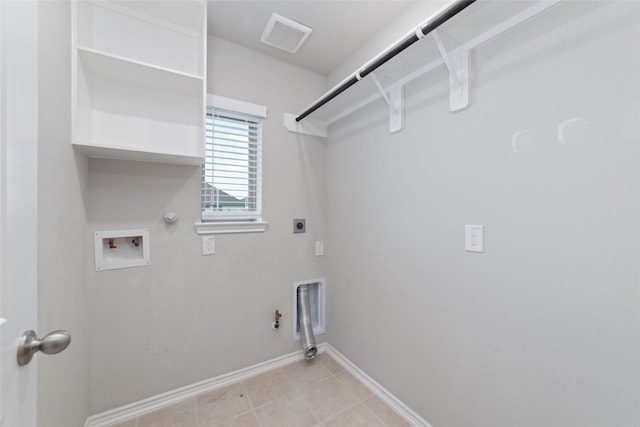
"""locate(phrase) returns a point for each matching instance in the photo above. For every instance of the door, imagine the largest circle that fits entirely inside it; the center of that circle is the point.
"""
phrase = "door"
(18, 203)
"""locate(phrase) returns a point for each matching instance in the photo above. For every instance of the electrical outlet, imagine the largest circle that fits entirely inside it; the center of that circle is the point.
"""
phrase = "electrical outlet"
(474, 238)
(208, 245)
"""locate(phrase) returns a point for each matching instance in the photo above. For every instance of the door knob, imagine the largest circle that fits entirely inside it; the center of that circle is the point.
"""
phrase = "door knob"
(51, 343)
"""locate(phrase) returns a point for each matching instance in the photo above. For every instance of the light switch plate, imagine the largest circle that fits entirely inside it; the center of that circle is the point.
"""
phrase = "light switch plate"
(319, 247)
(474, 238)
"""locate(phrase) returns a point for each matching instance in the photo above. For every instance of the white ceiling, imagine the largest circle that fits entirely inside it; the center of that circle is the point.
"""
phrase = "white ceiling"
(339, 27)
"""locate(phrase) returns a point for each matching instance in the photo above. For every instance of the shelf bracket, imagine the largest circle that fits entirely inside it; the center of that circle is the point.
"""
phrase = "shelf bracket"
(457, 62)
(307, 127)
(395, 101)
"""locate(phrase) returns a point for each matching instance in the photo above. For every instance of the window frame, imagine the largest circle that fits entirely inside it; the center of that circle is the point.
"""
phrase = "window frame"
(229, 222)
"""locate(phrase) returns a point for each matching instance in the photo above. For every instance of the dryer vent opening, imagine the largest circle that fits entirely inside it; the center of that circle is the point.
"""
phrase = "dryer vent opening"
(308, 306)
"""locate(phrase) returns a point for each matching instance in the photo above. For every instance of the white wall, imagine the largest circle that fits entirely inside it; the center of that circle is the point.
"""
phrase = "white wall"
(189, 317)
(63, 379)
(542, 328)
(398, 28)
(18, 214)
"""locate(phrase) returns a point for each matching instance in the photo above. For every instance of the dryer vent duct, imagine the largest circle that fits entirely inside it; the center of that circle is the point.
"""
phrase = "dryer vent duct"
(304, 317)
(309, 314)
(284, 33)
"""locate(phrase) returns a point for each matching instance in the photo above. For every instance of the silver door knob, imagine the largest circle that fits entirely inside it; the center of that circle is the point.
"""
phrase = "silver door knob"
(52, 343)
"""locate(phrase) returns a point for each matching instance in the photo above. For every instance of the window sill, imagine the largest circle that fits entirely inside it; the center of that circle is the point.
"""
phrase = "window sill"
(230, 227)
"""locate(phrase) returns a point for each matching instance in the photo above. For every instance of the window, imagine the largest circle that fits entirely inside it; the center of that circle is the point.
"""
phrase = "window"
(231, 171)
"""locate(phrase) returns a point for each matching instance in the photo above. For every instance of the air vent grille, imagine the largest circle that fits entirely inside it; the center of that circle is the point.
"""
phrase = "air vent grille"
(284, 33)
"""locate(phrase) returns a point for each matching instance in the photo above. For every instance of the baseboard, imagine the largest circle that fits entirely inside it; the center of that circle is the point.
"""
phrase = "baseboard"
(385, 395)
(136, 409)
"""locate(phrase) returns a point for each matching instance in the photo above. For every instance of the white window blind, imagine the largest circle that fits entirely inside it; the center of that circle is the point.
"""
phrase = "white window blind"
(231, 172)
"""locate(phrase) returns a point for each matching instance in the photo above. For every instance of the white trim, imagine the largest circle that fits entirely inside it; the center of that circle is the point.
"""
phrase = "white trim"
(385, 395)
(231, 104)
(136, 409)
(230, 227)
(321, 328)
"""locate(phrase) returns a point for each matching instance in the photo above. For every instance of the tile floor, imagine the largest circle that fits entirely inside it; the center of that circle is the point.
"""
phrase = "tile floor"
(317, 393)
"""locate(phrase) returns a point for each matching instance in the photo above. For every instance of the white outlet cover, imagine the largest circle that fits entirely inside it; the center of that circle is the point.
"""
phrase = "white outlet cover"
(208, 245)
(474, 238)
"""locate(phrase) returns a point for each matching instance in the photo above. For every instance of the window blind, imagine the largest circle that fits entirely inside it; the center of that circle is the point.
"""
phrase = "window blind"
(231, 172)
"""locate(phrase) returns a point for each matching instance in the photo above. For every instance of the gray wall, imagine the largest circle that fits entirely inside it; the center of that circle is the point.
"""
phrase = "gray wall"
(189, 317)
(62, 278)
(542, 328)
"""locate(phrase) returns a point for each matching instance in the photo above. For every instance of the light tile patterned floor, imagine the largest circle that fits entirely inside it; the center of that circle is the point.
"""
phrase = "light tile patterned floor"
(317, 393)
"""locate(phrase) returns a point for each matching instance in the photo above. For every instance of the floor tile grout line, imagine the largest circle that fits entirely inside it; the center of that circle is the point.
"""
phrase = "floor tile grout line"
(240, 414)
(375, 415)
(311, 411)
(252, 408)
(255, 407)
(358, 401)
(348, 408)
(309, 406)
(345, 410)
(226, 419)
(294, 390)
(330, 373)
(334, 376)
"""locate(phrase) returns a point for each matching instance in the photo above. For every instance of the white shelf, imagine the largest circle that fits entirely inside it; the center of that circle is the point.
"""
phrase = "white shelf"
(109, 150)
(179, 15)
(169, 34)
(123, 71)
(139, 74)
(138, 79)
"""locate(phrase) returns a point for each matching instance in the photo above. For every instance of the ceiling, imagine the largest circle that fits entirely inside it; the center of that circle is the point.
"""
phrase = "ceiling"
(339, 27)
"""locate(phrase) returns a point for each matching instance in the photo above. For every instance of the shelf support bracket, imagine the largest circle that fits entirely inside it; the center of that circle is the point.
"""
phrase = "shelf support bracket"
(457, 62)
(309, 126)
(395, 102)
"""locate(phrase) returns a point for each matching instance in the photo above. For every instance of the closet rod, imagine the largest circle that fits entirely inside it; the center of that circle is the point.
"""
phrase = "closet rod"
(434, 22)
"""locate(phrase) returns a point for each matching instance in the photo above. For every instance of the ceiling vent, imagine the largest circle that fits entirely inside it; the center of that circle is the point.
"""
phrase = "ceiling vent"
(284, 33)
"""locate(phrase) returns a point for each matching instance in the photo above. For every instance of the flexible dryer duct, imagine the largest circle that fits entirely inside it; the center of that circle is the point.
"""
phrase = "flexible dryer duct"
(304, 323)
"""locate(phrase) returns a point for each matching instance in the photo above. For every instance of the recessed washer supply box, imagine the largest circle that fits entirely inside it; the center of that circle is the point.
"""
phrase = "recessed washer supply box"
(122, 249)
